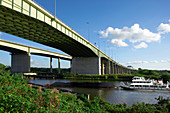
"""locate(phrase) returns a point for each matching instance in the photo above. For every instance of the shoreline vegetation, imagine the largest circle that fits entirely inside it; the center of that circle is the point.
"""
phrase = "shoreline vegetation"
(111, 77)
(165, 75)
(17, 96)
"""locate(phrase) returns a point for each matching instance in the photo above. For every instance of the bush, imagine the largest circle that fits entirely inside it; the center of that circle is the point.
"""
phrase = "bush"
(166, 76)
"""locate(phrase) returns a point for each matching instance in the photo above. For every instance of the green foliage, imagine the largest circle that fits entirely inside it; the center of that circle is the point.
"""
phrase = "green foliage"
(48, 70)
(4, 69)
(148, 72)
(166, 76)
(97, 77)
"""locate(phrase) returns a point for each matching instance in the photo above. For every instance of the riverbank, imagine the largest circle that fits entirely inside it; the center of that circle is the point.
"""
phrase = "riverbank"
(152, 74)
(71, 76)
(17, 96)
(111, 77)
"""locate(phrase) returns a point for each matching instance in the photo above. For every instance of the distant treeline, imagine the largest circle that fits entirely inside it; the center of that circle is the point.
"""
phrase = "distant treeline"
(165, 75)
(47, 70)
(66, 73)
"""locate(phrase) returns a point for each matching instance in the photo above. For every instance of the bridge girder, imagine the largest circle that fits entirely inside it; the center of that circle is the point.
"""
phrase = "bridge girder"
(26, 27)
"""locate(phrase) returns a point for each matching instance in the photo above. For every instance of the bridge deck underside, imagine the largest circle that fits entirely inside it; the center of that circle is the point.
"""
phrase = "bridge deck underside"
(12, 50)
(26, 27)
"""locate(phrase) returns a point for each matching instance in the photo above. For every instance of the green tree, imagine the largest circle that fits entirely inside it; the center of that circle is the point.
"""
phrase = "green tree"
(166, 76)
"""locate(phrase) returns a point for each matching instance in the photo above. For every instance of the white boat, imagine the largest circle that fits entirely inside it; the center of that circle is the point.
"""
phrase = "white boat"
(140, 83)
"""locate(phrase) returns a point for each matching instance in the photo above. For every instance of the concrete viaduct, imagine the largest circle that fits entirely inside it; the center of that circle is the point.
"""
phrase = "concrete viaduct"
(28, 20)
(20, 56)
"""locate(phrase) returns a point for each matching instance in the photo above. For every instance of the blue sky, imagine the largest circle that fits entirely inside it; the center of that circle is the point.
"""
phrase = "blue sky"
(132, 32)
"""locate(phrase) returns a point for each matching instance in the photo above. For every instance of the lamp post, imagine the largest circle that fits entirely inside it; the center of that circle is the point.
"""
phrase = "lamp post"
(98, 41)
(88, 31)
(104, 48)
(55, 8)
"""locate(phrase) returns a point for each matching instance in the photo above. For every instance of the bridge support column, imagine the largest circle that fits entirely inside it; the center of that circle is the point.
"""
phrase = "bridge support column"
(113, 68)
(108, 67)
(20, 63)
(115, 72)
(51, 64)
(86, 65)
(102, 67)
(122, 70)
(118, 69)
(59, 70)
(126, 71)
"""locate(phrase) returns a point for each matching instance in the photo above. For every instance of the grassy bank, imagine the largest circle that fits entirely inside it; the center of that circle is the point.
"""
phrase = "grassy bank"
(111, 77)
(119, 77)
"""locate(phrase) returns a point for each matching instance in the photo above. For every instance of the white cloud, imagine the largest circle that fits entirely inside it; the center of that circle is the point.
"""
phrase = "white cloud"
(145, 62)
(154, 61)
(134, 34)
(163, 61)
(118, 42)
(164, 28)
(141, 45)
(138, 62)
(46, 58)
(35, 63)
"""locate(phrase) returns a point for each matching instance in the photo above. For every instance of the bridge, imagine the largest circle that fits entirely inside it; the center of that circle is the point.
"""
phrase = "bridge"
(20, 60)
(28, 20)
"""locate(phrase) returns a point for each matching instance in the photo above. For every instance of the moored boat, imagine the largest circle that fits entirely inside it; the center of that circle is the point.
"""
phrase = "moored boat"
(140, 83)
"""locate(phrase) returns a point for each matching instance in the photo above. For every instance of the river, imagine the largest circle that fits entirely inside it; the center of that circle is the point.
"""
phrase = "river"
(114, 96)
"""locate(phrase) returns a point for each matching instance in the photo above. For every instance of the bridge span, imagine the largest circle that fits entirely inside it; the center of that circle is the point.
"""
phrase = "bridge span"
(28, 20)
(20, 55)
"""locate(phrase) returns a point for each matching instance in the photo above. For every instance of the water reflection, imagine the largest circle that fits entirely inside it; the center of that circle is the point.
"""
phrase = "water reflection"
(111, 95)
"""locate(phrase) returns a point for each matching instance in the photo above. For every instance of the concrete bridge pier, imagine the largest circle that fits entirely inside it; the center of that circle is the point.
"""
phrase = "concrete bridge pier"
(124, 70)
(51, 65)
(117, 69)
(108, 67)
(59, 70)
(120, 70)
(103, 67)
(86, 65)
(20, 63)
(112, 68)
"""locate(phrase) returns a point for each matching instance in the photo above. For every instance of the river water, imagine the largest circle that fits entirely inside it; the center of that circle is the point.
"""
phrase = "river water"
(114, 96)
